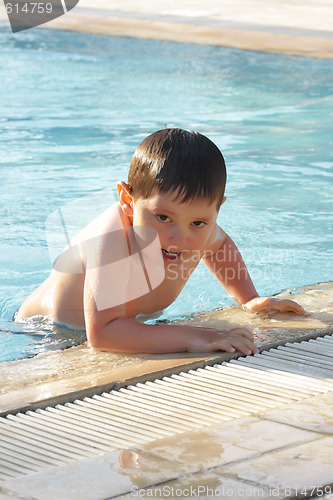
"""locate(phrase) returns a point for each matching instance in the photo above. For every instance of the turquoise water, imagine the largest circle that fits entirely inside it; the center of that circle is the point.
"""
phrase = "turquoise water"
(73, 107)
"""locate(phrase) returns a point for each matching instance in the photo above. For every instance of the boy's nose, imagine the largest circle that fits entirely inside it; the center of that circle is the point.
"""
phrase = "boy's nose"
(178, 237)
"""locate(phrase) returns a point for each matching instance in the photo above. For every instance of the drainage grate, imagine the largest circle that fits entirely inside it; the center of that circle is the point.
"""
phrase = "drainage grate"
(141, 413)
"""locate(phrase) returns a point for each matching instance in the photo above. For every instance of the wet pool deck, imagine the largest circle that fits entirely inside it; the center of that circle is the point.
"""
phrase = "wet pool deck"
(274, 453)
(282, 452)
(281, 448)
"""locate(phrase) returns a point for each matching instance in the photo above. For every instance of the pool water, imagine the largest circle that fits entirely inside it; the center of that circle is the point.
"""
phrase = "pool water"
(73, 107)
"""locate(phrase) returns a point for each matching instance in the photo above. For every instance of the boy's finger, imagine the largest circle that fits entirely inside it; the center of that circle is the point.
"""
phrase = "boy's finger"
(243, 332)
(296, 309)
(257, 304)
(299, 309)
(242, 345)
(289, 305)
(245, 346)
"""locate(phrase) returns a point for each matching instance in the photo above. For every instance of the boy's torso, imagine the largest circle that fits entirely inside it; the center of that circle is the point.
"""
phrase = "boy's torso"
(61, 295)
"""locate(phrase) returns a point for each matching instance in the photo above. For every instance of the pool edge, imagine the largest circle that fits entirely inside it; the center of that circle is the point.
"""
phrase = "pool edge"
(250, 37)
(146, 372)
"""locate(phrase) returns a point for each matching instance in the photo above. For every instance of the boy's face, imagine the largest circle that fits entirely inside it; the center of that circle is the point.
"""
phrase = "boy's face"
(183, 228)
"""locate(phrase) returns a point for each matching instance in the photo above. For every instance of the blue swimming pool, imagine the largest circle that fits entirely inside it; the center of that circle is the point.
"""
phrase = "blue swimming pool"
(73, 108)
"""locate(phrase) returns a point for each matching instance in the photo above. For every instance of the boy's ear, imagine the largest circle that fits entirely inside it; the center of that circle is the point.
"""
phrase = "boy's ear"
(125, 198)
(224, 199)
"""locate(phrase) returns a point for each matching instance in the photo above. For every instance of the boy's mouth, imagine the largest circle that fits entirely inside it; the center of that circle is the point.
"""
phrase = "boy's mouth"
(170, 256)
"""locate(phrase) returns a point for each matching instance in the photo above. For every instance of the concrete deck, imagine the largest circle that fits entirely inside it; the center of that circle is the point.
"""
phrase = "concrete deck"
(281, 452)
(289, 27)
(277, 453)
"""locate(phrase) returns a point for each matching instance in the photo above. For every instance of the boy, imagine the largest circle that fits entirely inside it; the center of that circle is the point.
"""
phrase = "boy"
(136, 256)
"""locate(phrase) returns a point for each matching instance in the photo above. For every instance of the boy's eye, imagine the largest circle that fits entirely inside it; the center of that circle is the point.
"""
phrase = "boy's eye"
(163, 218)
(199, 223)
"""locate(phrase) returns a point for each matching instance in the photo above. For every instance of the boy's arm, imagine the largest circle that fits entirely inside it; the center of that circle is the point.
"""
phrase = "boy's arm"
(109, 330)
(130, 336)
(226, 264)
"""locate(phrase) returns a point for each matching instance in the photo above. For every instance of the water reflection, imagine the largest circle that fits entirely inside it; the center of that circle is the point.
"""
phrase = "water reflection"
(189, 456)
(146, 468)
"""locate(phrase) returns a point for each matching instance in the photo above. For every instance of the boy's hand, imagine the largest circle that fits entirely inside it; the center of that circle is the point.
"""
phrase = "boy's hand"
(267, 304)
(237, 339)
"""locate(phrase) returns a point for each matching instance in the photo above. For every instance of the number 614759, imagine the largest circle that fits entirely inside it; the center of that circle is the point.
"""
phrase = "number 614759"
(29, 8)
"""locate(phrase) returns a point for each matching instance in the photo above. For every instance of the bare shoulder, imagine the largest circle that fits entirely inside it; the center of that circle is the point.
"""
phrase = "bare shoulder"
(101, 232)
(109, 220)
(215, 241)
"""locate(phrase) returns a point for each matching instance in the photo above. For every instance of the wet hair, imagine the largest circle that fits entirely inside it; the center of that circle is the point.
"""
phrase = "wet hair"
(178, 160)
